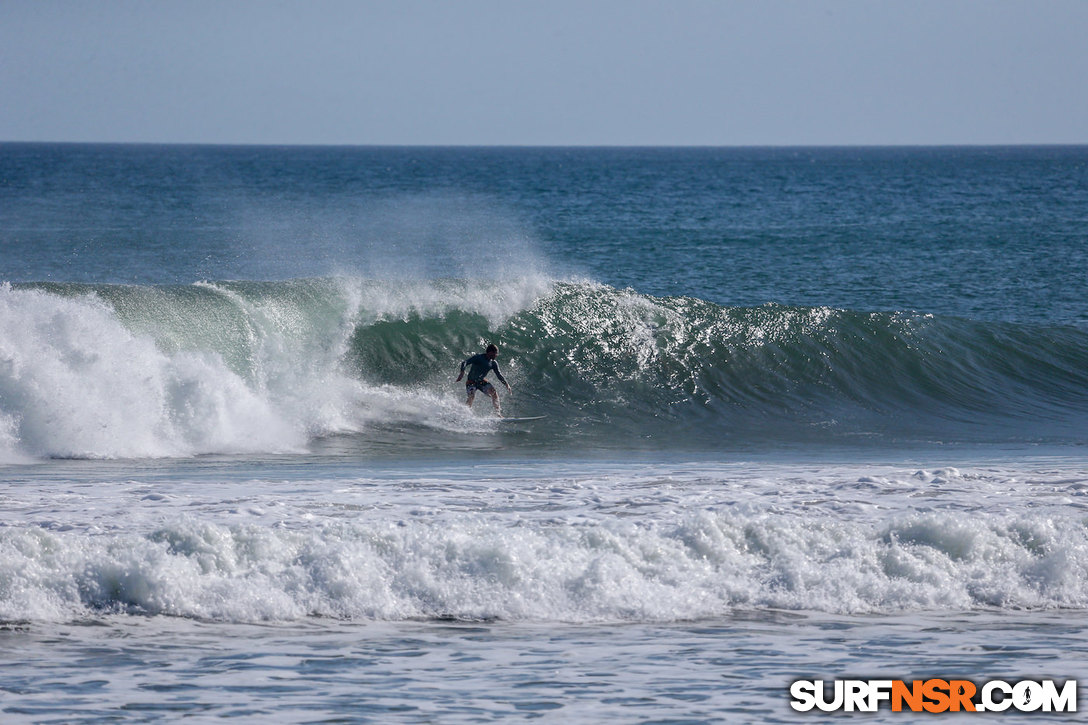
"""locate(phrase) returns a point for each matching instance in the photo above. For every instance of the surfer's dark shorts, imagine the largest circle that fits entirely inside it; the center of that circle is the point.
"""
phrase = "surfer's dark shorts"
(482, 385)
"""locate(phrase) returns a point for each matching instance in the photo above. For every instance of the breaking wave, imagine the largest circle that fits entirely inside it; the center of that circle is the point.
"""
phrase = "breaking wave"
(145, 371)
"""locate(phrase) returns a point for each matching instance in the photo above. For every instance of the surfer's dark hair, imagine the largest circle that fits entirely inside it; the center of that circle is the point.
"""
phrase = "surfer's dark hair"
(491, 347)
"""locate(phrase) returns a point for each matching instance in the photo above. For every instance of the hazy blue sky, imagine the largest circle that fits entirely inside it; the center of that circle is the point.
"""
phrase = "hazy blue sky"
(547, 72)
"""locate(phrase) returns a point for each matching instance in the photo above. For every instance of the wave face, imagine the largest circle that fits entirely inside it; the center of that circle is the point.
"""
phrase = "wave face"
(237, 367)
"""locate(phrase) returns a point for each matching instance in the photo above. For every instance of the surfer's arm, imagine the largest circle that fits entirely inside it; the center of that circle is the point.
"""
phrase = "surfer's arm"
(495, 367)
(462, 373)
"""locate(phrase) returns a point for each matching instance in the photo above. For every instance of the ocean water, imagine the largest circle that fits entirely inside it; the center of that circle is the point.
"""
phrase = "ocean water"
(810, 414)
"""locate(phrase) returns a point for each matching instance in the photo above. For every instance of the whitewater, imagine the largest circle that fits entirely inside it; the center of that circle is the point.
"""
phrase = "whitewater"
(789, 434)
(547, 542)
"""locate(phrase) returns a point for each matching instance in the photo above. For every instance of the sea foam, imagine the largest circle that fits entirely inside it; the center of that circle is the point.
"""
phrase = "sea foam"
(698, 565)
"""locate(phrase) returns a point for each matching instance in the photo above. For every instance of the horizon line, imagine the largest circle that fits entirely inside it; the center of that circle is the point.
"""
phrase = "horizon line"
(265, 144)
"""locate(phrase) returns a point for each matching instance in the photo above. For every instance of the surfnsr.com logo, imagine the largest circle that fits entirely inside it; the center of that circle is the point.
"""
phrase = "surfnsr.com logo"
(934, 695)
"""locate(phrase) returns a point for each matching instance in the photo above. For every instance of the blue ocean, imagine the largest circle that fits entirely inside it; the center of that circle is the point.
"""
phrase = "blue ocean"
(808, 413)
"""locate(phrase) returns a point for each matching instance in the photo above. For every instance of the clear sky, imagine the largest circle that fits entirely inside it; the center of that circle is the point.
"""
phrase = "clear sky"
(601, 72)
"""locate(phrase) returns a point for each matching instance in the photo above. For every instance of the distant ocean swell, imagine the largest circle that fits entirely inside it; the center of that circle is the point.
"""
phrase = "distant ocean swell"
(465, 567)
(136, 371)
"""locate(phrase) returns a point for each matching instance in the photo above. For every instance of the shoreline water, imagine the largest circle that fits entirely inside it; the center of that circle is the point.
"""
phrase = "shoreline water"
(737, 668)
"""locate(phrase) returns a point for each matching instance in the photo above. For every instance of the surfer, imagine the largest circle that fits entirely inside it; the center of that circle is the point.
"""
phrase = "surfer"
(478, 368)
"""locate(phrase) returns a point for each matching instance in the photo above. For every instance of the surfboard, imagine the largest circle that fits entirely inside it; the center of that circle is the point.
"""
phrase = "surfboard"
(521, 420)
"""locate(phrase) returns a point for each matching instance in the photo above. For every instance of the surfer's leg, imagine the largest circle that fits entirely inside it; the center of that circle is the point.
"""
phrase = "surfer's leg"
(471, 397)
(494, 399)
